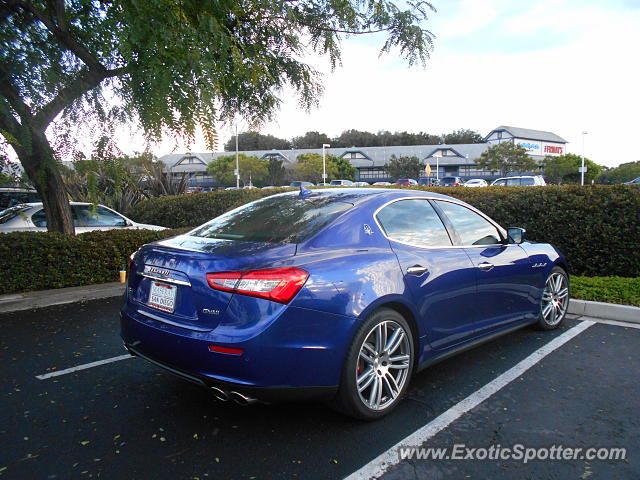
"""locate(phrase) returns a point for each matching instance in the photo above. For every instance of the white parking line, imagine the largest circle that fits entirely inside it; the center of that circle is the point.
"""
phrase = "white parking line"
(379, 465)
(83, 367)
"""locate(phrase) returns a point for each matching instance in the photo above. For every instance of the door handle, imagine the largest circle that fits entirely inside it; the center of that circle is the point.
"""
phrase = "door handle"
(485, 266)
(417, 270)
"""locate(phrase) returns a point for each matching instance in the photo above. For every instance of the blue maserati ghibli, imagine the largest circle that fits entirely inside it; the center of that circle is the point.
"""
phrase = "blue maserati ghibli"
(335, 294)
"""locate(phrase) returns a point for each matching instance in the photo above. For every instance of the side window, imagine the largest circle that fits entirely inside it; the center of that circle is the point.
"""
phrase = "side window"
(89, 216)
(513, 182)
(414, 222)
(471, 227)
(528, 181)
(500, 183)
(39, 218)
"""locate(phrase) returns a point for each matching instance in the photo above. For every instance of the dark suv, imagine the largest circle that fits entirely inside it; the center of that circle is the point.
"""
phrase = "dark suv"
(450, 182)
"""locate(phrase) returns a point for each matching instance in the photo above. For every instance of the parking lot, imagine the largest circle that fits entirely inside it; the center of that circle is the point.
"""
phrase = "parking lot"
(129, 419)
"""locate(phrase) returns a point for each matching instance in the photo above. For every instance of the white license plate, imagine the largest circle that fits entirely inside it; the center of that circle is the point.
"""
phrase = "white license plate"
(162, 297)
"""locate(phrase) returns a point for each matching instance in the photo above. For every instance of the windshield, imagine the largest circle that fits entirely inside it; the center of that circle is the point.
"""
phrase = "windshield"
(277, 219)
(9, 213)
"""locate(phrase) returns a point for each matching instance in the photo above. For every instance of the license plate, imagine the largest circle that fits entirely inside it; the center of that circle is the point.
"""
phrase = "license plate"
(162, 297)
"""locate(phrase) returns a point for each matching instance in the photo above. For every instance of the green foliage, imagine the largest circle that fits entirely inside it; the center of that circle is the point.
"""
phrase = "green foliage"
(249, 141)
(252, 169)
(309, 168)
(564, 169)
(625, 291)
(43, 260)
(506, 157)
(310, 140)
(193, 209)
(277, 172)
(462, 136)
(623, 173)
(344, 169)
(403, 167)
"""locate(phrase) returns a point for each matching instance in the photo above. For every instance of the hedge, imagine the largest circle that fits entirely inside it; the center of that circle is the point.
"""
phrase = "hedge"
(43, 260)
(596, 227)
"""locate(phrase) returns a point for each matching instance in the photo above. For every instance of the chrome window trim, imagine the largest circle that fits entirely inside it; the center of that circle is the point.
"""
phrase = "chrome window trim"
(501, 230)
(166, 280)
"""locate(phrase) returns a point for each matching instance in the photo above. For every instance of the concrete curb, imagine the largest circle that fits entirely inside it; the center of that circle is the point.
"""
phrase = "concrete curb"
(608, 311)
(59, 296)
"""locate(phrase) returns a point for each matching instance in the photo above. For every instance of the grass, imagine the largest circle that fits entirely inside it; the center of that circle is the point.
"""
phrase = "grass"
(625, 291)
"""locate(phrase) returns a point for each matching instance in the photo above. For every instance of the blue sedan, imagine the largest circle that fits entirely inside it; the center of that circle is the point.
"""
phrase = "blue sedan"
(335, 294)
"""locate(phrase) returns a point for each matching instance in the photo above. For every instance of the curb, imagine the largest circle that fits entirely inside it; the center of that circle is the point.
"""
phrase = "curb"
(608, 311)
(16, 302)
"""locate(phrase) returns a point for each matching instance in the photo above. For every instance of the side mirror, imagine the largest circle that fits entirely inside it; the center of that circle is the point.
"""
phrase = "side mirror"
(516, 235)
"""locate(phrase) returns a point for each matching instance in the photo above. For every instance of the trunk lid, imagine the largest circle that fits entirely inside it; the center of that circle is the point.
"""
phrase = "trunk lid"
(168, 282)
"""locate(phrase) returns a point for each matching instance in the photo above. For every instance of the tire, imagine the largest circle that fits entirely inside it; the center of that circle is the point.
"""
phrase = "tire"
(555, 300)
(389, 369)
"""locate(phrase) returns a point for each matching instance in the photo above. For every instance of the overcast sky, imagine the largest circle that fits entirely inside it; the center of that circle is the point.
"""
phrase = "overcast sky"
(565, 66)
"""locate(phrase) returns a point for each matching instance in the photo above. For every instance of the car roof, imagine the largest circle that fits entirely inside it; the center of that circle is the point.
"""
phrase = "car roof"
(362, 194)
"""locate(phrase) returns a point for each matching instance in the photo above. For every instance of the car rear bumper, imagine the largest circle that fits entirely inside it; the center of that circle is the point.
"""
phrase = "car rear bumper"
(298, 356)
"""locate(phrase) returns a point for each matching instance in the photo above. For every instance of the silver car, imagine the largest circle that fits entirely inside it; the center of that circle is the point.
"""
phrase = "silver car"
(86, 217)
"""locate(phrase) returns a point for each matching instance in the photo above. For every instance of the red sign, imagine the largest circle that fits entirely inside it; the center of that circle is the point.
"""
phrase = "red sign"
(552, 149)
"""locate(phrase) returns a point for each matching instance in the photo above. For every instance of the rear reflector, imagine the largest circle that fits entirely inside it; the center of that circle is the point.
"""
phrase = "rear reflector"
(229, 350)
(275, 284)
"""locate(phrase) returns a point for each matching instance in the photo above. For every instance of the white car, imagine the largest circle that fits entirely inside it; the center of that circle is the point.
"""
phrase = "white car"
(386, 184)
(86, 217)
(341, 183)
(476, 182)
(524, 181)
(360, 184)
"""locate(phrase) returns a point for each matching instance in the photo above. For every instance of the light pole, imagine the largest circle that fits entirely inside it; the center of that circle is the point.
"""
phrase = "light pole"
(324, 163)
(237, 160)
(582, 168)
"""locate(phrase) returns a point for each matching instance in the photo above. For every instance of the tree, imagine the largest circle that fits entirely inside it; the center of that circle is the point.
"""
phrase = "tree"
(251, 141)
(622, 173)
(403, 167)
(344, 169)
(309, 168)
(253, 170)
(170, 65)
(506, 157)
(564, 169)
(463, 136)
(310, 140)
(277, 172)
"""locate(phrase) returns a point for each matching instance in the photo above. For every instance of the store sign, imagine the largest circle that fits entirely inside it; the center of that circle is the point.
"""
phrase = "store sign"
(534, 147)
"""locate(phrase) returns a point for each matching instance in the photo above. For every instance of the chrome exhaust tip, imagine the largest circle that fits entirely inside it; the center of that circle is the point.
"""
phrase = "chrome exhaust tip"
(220, 394)
(242, 399)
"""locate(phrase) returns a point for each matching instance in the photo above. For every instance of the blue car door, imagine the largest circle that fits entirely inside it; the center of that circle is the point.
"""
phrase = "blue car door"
(505, 278)
(440, 277)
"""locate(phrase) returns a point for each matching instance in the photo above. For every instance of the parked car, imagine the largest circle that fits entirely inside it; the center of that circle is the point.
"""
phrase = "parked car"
(86, 218)
(361, 184)
(635, 181)
(380, 184)
(299, 183)
(406, 182)
(476, 183)
(451, 182)
(10, 196)
(524, 181)
(428, 181)
(356, 288)
(269, 187)
(341, 183)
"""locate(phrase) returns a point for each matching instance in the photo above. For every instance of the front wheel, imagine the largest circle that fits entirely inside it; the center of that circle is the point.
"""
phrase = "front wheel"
(378, 368)
(555, 300)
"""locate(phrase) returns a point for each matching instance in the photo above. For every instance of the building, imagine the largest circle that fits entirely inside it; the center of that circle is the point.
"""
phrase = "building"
(448, 160)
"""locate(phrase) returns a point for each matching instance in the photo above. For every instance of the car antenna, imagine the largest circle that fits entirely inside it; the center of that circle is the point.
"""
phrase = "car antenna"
(304, 192)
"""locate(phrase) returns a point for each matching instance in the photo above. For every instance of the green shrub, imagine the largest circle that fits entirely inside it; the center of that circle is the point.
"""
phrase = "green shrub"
(42, 260)
(625, 291)
(194, 209)
(596, 227)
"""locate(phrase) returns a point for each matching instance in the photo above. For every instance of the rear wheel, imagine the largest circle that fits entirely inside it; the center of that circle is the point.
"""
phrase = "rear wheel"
(378, 368)
(555, 299)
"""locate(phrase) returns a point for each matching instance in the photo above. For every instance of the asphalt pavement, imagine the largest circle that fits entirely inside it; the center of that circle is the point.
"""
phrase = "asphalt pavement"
(128, 419)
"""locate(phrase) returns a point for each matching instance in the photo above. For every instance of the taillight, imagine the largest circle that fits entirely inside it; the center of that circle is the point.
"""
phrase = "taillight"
(132, 260)
(276, 284)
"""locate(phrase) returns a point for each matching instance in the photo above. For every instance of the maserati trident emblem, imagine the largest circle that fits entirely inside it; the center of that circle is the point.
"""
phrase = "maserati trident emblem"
(367, 229)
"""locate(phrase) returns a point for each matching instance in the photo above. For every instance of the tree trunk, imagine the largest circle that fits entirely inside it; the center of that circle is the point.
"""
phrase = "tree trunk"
(38, 160)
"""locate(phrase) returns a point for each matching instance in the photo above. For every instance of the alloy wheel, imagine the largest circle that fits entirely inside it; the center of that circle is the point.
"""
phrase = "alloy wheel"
(383, 365)
(555, 298)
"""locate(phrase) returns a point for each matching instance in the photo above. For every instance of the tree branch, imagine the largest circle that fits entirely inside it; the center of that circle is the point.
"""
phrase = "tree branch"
(64, 37)
(9, 91)
(81, 84)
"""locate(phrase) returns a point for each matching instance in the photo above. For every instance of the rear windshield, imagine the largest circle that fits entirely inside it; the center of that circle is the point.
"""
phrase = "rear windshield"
(449, 180)
(13, 212)
(277, 219)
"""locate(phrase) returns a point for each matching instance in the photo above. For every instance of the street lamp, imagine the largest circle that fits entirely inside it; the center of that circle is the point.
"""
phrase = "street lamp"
(237, 172)
(324, 163)
(582, 169)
